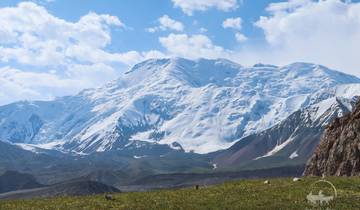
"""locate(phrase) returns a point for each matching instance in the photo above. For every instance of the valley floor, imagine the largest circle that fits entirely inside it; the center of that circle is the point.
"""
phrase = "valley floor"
(245, 194)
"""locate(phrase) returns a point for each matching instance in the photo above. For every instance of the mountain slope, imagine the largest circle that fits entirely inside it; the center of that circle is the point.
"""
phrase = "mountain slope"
(15, 158)
(12, 180)
(338, 153)
(171, 104)
(292, 141)
(77, 188)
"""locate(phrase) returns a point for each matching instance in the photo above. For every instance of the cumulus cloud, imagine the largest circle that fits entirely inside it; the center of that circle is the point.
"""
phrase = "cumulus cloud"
(25, 85)
(32, 36)
(166, 23)
(195, 46)
(287, 5)
(240, 37)
(234, 23)
(13, 92)
(190, 6)
(324, 32)
(65, 56)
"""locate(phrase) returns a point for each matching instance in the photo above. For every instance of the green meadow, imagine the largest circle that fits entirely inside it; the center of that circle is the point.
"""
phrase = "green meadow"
(244, 194)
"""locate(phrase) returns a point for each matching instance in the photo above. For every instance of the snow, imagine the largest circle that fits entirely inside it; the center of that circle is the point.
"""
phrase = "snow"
(277, 148)
(294, 155)
(348, 90)
(204, 105)
(142, 136)
(140, 156)
(39, 148)
(214, 166)
(28, 147)
(322, 107)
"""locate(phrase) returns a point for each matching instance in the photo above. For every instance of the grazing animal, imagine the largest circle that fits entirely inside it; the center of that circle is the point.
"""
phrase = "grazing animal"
(109, 197)
(296, 179)
(196, 187)
(266, 182)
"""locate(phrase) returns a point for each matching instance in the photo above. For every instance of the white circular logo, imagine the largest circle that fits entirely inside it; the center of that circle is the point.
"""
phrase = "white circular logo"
(322, 193)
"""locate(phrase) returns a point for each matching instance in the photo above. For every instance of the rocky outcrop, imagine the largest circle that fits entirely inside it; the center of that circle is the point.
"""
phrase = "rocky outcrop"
(338, 153)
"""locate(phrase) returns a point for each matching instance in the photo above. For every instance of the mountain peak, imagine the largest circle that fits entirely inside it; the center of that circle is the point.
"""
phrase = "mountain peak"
(179, 61)
(303, 68)
(149, 62)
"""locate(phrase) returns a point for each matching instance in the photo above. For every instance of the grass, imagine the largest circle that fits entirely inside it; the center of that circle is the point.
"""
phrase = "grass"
(245, 194)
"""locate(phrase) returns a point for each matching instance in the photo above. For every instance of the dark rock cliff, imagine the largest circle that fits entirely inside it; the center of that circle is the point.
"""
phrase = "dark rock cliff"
(338, 153)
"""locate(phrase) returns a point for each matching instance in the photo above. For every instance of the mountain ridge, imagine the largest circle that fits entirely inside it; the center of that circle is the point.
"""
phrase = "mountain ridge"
(201, 106)
(290, 142)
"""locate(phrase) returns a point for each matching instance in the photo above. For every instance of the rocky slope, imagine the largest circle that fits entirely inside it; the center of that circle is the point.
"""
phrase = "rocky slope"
(338, 153)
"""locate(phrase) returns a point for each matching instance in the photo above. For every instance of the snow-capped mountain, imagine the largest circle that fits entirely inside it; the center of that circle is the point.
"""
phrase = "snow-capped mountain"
(201, 106)
(292, 141)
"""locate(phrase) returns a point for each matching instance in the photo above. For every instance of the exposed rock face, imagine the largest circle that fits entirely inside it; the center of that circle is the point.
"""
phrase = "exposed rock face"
(338, 153)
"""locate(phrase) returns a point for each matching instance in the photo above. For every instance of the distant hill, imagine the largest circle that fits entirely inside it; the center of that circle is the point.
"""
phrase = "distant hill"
(13, 180)
(76, 188)
(15, 158)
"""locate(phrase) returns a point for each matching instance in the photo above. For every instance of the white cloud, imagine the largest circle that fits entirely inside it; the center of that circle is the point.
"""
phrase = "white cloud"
(152, 29)
(324, 32)
(166, 23)
(189, 6)
(11, 91)
(203, 30)
(21, 85)
(16, 84)
(289, 6)
(35, 37)
(91, 75)
(240, 37)
(234, 23)
(153, 54)
(195, 46)
(52, 57)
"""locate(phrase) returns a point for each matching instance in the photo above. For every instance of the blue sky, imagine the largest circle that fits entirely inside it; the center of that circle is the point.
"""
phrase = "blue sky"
(141, 14)
(52, 48)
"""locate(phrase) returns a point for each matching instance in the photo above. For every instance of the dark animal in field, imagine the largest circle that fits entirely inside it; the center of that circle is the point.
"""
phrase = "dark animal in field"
(109, 197)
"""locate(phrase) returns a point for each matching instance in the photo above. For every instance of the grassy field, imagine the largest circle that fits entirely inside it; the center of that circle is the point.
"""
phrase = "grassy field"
(246, 194)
